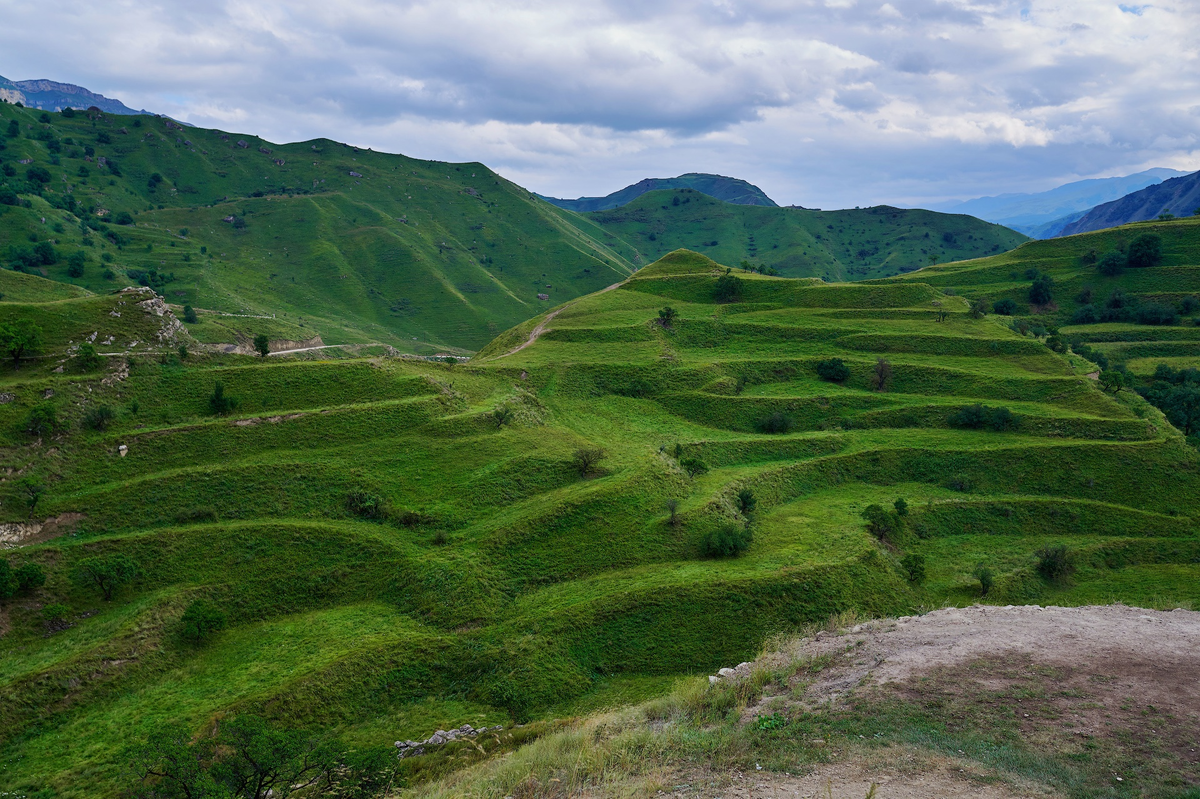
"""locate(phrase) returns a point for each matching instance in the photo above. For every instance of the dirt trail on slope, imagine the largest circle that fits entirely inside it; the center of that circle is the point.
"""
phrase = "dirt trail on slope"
(1096, 675)
(541, 327)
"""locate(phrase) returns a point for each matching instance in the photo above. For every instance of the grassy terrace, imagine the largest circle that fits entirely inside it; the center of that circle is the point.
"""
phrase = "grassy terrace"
(502, 585)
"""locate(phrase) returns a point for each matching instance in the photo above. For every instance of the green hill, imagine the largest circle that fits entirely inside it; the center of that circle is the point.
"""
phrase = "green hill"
(729, 190)
(854, 244)
(353, 245)
(398, 546)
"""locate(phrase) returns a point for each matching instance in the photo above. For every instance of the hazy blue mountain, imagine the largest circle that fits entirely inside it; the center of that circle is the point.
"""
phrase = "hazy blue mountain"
(50, 95)
(730, 190)
(1044, 214)
(1178, 196)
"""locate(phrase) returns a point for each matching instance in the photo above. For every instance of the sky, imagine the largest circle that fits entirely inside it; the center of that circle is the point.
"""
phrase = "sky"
(821, 103)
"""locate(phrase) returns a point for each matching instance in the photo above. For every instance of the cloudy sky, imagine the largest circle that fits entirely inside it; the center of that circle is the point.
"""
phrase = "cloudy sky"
(826, 103)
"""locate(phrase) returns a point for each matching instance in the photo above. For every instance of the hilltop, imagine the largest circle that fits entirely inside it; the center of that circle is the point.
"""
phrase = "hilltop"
(607, 497)
(852, 244)
(1177, 197)
(730, 190)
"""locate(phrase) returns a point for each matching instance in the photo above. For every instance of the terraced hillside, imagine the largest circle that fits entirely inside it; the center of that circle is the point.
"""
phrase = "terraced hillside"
(1138, 315)
(398, 546)
(851, 244)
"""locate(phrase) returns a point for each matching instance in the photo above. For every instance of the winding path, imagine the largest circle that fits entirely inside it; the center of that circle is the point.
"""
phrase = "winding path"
(541, 326)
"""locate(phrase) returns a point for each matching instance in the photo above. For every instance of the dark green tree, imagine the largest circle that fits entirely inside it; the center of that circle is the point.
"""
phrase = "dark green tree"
(914, 568)
(189, 315)
(693, 466)
(19, 340)
(833, 369)
(262, 345)
(42, 420)
(727, 540)
(1145, 250)
(666, 316)
(219, 403)
(586, 459)
(1111, 264)
(1182, 408)
(728, 288)
(88, 359)
(1041, 291)
(881, 378)
(201, 620)
(106, 573)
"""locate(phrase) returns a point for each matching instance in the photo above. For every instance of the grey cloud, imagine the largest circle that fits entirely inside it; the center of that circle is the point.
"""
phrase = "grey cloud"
(914, 63)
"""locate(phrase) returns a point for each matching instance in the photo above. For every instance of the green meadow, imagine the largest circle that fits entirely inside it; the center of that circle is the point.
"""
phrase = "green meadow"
(401, 545)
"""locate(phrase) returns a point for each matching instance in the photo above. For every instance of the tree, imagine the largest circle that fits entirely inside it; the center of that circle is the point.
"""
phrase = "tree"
(901, 507)
(881, 378)
(978, 308)
(38, 175)
(20, 339)
(666, 316)
(914, 568)
(746, 501)
(262, 345)
(880, 523)
(75, 263)
(728, 288)
(776, 423)
(1041, 291)
(1111, 264)
(31, 491)
(672, 506)
(1182, 408)
(833, 369)
(586, 459)
(201, 620)
(694, 467)
(1113, 381)
(189, 315)
(106, 573)
(501, 415)
(1145, 251)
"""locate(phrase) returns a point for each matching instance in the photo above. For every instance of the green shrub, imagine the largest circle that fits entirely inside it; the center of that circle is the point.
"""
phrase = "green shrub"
(914, 568)
(189, 315)
(98, 418)
(882, 523)
(833, 369)
(666, 316)
(776, 423)
(693, 466)
(1111, 264)
(728, 540)
(106, 573)
(977, 417)
(746, 501)
(55, 616)
(363, 503)
(586, 459)
(986, 578)
(1055, 563)
(42, 420)
(201, 621)
(219, 403)
(901, 506)
(88, 359)
(1005, 307)
(1041, 292)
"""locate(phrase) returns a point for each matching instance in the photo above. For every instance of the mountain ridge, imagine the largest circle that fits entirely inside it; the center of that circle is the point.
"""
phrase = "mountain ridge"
(50, 95)
(1179, 196)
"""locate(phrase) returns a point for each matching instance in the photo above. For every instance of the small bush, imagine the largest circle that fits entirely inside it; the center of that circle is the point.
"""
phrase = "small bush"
(1005, 307)
(776, 423)
(666, 316)
(881, 378)
(986, 578)
(189, 315)
(200, 621)
(501, 415)
(693, 466)
(1145, 251)
(728, 289)
(196, 515)
(99, 418)
(672, 506)
(106, 573)
(1055, 563)
(881, 523)
(746, 501)
(88, 359)
(728, 540)
(1153, 313)
(1086, 315)
(365, 504)
(977, 417)
(1111, 264)
(914, 568)
(833, 369)
(901, 506)
(219, 403)
(42, 420)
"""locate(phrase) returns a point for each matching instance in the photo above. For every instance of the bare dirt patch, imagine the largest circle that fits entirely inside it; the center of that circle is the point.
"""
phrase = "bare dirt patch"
(19, 534)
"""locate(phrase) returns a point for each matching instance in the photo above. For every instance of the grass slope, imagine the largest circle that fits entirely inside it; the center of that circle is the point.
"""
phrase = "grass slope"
(503, 585)
(853, 244)
(353, 245)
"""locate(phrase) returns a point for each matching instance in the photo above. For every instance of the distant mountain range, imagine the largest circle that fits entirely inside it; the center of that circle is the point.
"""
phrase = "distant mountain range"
(49, 95)
(1046, 214)
(730, 190)
(1178, 196)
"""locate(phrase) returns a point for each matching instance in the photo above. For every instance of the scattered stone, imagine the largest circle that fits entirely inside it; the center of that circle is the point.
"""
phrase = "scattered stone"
(123, 450)
(414, 748)
(6, 398)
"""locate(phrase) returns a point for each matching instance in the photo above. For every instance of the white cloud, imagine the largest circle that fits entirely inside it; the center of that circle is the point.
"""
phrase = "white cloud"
(822, 102)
